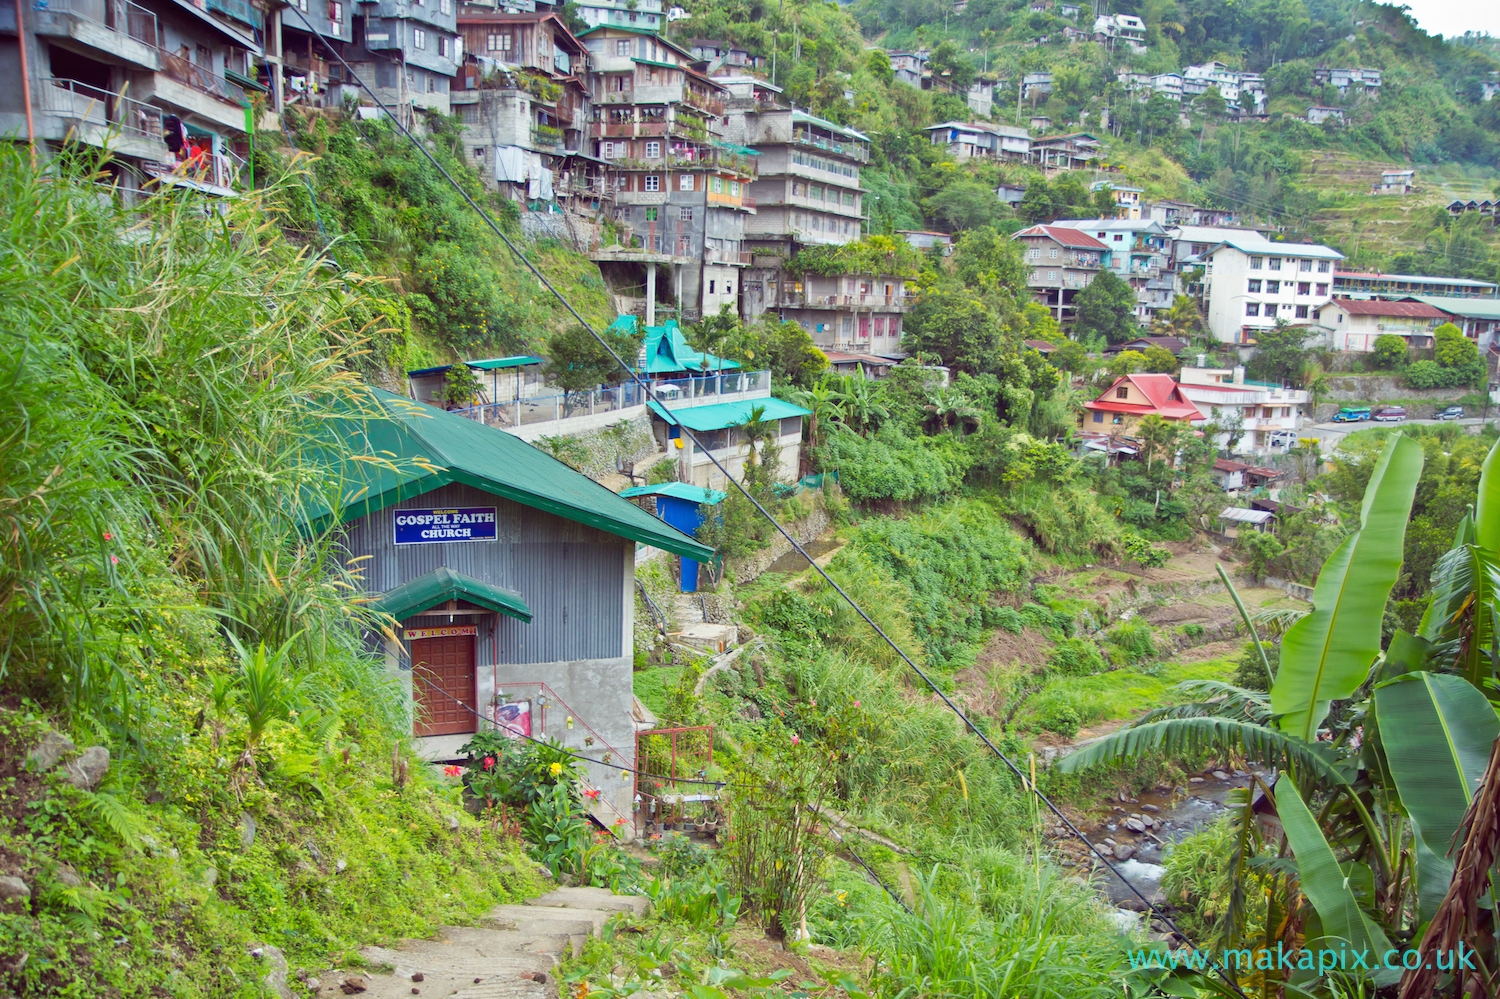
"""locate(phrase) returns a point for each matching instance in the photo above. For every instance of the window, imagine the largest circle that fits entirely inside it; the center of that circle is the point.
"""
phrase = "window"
(685, 214)
(607, 151)
(653, 150)
(1301, 312)
(651, 214)
(1273, 287)
(718, 185)
(849, 198)
(1098, 417)
(657, 244)
(684, 247)
(419, 38)
(1254, 287)
(445, 6)
(1255, 263)
(1304, 288)
(302, 6)
(1117, 419)
(880, 325)
(1252, 308)
(1274, 263)
(711, 288)
(1123, 392)
(815, 192)
(1119, 238)
(335, 12)
(498, 43)
(443, 48)
(1034, 253)
(622, 46)
(1304, 265)
(1322, 267)
(734, 188)
(1052, 253)
(652, 182)
(1322, 290)
(1052, 275)
(799, 189)
(685, 182)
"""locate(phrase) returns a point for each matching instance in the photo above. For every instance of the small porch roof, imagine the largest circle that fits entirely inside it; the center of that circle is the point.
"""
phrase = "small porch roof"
(444, 584)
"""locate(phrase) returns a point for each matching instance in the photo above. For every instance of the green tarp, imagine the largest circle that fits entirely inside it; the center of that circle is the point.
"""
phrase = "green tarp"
(722, 415)
(677, 490)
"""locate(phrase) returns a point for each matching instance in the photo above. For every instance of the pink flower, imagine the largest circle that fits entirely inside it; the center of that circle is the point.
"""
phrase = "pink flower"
(813, 701)
(452, 771)
(114, 560)
(796, 740)
(856, 704)
(489, 763)
(108, 536)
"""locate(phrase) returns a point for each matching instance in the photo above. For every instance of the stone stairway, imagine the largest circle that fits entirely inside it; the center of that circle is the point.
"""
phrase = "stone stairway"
(693, 630)
(509, 956)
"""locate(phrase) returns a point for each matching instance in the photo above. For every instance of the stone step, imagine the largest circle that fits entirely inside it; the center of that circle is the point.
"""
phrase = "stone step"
(546, 919)
(601, 899)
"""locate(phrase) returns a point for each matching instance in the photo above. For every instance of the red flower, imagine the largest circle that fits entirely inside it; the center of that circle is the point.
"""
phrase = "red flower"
(108, 536)
(592, 794)
(619, 822)
(452, 771)
(114, 560)
(489, 763)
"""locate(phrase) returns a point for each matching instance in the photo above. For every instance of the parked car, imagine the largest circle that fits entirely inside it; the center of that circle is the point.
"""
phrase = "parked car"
(1351, 414)
(1389, 414)
(1283, 438)
(1452, 413)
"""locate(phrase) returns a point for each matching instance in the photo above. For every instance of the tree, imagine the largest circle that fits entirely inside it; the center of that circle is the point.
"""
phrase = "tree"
(711, 333)
(1182, 320)
(460, 387)
(1070, 356)
(784, 347)
(1037, 204)
(821, 401)
(862, 402)
(1389, 350)
(1160, 360)
(577, 362)
(948, 408)
(956, 328)
(948, 62)
(1106, 308)
(963, 204)
(1279, 352)
(985, 259)
(1451, 348)
(1258, 549)
(878, 64)
(760, 435)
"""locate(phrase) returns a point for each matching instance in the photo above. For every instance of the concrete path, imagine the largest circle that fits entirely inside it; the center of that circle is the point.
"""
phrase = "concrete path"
(510, 956)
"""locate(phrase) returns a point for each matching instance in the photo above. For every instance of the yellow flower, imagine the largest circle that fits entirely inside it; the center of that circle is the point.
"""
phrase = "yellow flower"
(556, 768)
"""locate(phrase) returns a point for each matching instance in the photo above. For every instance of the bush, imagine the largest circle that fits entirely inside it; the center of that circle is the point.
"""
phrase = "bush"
(1430, 375)
(1060, 718)
(1139, 550)
(1076, 657)
(1134, 639)
(1005, 618)
(1250, 672)
(1389, 351)
(889, 465)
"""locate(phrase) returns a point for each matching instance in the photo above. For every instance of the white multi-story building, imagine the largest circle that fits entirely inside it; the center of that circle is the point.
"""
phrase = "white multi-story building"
(1267, 415)
(1250, 282)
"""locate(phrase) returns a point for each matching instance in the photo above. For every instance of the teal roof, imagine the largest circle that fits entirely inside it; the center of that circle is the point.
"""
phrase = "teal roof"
(490, 364)
(677, 490)
(825, 123)
(722, 415)
(442, 585)
(667, 350)
(1471, 308)
(402, 449)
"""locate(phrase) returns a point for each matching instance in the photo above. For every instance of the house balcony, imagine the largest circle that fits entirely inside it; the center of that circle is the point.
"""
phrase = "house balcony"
(735, 258)
(853, 150)
(703, 102)
(881, 303)
(107, 120)
(120, 29)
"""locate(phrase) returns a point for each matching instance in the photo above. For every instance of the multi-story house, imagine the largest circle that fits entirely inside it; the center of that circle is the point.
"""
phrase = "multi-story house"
(1121, 406)
(681, 192)
(1343, 79)
(1138, 254)
(1263, 415)
(808, 194)
(1127, 198)
(1250, 282)
(1317, 115)
(302, 70)
(721, 55)
(159, 83)
(966, 140)
(1059, 262)
(1074, 151)
(646, 15)
(1111, 30)
(1354, 324)
(523, 95)
(1036, 86)
(911, 69)
(407, 51)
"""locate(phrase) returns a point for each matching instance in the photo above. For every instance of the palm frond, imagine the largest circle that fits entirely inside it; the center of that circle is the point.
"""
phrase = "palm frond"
(1185, 736)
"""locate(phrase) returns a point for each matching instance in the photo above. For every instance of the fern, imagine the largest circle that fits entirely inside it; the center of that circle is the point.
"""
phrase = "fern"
(107, 810)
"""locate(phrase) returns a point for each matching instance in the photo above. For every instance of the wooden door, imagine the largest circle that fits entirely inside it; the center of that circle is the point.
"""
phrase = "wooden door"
(447, 664)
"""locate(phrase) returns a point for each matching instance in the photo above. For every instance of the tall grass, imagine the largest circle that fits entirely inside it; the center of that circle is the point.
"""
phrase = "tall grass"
(163, 377)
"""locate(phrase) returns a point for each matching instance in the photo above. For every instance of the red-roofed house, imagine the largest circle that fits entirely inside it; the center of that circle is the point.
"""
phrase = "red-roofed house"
(1060, 261)
(1356, 323)
(1131, 397)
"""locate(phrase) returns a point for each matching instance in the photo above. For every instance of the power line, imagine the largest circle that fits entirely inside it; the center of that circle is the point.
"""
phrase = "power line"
(760, 508)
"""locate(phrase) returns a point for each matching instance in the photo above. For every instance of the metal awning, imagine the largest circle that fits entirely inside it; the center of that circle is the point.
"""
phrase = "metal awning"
(1244, 516)
(442, 585)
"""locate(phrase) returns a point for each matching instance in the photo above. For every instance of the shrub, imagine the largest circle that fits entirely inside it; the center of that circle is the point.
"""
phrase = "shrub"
(1138, 549)
(1250, 672)
(1060, 718)
(1076, 656)
(1006, 618)
(1134, 639)
(888, 465)
(1389, 351)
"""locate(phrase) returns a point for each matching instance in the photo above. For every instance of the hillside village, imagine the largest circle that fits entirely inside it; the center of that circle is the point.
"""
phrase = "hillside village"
(732, 500)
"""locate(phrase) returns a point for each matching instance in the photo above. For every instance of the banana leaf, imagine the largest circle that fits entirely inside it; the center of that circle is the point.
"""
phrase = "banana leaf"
(1462, 611)
(1322, 880)
(1487, 511)
(1327, 655)
(1183, 736)
(1437, 730)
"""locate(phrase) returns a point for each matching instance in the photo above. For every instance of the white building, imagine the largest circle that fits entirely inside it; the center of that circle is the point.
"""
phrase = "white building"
(966, 140)
(1318, 115)
(1138, 254)
(1355, 324)
(1265, 413)
(1250, 282)
(1120, 29)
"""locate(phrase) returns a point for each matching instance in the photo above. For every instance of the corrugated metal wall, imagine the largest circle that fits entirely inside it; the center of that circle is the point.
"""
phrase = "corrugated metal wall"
(570, 575)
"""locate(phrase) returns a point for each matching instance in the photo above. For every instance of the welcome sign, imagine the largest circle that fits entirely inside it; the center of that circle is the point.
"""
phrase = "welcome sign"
(437, 527)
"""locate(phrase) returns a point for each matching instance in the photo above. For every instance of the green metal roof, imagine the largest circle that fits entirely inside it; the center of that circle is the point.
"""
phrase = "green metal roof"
(442, 585)
(417, 448)
(722, 415)
(653, 62)
(1470, 308)
(667, 350)
(825, 123)
(494, 363)
(677, 490)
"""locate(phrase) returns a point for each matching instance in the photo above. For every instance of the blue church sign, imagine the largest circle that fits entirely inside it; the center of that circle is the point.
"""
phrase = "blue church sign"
(438, 527)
